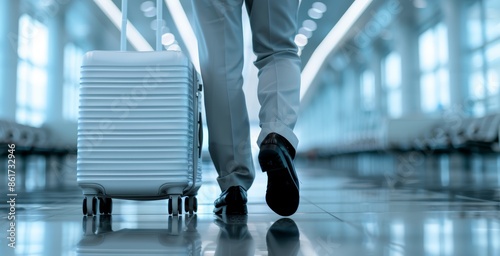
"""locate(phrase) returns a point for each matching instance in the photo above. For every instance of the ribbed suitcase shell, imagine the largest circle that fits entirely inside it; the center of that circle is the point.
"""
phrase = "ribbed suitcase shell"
(138, 125)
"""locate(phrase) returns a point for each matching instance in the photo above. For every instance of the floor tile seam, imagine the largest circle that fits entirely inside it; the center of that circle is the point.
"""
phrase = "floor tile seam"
(327, 212)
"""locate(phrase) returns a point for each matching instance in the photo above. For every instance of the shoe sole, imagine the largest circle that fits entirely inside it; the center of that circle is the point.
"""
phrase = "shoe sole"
(283, 196)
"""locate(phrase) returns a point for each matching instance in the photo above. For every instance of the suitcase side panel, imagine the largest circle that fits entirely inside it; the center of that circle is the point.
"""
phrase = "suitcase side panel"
(136, 124)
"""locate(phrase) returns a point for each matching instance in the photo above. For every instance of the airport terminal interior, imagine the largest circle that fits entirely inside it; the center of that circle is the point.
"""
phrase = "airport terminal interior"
(398, 127)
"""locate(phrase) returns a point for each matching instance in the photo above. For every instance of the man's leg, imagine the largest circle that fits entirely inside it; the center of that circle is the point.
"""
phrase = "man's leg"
(221, 58)
(274, 26)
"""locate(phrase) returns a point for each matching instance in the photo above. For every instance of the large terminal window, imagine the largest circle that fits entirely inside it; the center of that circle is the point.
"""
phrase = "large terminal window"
(368, 90)
(32, 71)
(72, 61)
(392, 83)
(434, 73)
(483, 27)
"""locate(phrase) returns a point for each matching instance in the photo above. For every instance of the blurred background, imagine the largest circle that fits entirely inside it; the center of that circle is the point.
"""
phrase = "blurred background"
(402, 97)
(379, 78)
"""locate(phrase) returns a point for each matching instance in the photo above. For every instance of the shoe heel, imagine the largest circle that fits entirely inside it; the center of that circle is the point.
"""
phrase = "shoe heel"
(271, 158)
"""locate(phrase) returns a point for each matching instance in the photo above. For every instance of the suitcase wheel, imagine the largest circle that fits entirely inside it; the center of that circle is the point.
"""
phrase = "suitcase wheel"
(105, 205)
(191, 204)
(175, 205)
(195, 204)
(89, 206)
(84, 206)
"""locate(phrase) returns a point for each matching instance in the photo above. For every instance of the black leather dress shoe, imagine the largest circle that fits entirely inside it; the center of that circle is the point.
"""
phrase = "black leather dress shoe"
(276, 159)
(232, 201)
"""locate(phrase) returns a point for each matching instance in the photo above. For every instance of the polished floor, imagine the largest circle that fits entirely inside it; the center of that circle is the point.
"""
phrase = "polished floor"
(339, 214)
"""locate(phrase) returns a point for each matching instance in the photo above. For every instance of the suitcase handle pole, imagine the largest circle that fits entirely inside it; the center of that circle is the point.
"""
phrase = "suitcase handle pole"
(159, 25)
(123, 36)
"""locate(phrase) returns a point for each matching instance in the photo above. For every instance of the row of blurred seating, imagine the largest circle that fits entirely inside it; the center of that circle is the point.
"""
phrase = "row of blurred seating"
(357, 142)
(23, 135)
(470, 134)
(463, 134)
(29, 140)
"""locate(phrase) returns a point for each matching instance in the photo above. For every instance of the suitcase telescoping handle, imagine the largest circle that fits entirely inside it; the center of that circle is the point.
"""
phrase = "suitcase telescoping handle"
(159, 23)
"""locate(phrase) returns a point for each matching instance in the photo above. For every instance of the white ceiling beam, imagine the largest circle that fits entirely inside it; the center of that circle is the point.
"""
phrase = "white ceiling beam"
(185, 30)
(330, 43)
(133, 36)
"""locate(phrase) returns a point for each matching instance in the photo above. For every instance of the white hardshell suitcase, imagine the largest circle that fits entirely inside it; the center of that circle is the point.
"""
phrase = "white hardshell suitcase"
(139, 129)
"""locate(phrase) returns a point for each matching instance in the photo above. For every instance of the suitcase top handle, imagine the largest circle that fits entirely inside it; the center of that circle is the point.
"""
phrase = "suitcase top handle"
(123, 37)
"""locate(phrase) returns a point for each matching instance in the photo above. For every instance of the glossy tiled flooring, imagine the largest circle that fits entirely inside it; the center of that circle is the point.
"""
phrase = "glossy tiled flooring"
(338, 215)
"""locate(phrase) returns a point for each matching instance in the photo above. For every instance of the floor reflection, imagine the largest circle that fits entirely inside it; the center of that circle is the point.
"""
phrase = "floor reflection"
(283, 238)
(178, 239)
(234, 237)
(340, 214)
(181, 237)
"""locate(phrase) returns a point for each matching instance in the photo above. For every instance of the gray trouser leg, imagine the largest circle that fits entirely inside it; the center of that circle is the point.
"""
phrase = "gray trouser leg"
(220, 38)
(274, 26)
(219, 28)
